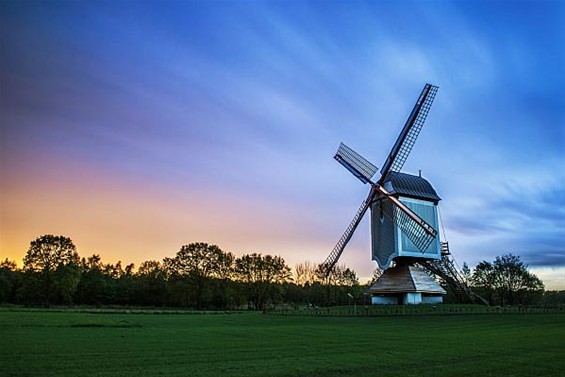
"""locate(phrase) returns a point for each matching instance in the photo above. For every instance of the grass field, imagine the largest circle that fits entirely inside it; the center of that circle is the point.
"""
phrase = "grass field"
(50, 343)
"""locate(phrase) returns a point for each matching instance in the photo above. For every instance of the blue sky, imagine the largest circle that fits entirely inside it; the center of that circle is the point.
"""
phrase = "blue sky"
(136, 127)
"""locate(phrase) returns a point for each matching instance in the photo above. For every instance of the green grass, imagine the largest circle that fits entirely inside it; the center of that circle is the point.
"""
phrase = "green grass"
(58, 343)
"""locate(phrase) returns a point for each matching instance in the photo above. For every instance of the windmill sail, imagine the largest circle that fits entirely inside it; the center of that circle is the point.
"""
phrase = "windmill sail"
(401, 149)
(355, 163)
(336, 252)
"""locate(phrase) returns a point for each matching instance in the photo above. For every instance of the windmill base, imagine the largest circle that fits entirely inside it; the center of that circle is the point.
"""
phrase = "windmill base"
(405, 285)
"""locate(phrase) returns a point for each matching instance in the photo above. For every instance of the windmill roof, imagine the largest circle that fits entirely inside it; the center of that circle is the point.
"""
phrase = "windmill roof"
(405, 279)
(411, 186)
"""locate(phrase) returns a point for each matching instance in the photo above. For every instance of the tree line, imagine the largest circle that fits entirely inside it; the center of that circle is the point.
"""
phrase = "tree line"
(199, 276)
(203, 276)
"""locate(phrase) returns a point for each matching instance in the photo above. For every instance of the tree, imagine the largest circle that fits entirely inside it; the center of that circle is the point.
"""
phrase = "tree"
(507, 281)
(125, 285)
(9, 281)
(222, 273)
(93, 288)
(48, 251)
(263, 277)
(483, 278)
(152, 284)
(466, 273)
(376, 275)
(338, 283)
(198, 263)
(305, 273)
(295, 294)
(8, 265)
(513, 280)
(554, 298)
(113, 271)
(65, 282)
(345, 277)
(50, 265)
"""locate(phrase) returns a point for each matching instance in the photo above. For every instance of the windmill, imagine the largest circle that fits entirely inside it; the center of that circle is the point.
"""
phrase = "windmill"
(404, 222)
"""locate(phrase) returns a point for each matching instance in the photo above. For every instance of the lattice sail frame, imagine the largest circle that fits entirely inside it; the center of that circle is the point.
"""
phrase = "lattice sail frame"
(355, 163)
(412, 135)
(336, 252)
(405, 141)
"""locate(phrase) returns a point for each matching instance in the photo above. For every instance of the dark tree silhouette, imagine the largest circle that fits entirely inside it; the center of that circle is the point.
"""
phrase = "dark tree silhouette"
(205, 277)
(151, 283)
(305, 273)
(198, 263)
(9, 281)
(338, 284)
(506, 280)
(94, 285)
(263, 277)
(52, 265)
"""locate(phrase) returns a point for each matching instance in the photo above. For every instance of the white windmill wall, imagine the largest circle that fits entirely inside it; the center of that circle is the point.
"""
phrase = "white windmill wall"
(428, 212)
(384, 300)
(412, 298)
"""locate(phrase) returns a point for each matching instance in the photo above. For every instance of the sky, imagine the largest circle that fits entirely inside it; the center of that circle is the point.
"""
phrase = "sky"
(137, 127)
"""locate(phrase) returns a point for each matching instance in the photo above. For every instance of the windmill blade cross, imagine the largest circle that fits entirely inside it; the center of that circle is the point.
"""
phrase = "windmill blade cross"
(401, 149)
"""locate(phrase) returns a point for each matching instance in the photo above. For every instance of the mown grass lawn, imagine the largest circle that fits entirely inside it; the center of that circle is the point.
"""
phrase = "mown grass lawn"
(47, 343)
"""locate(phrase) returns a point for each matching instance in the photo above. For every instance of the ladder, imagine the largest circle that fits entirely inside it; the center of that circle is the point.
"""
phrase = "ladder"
(445, 269)
(445, 248)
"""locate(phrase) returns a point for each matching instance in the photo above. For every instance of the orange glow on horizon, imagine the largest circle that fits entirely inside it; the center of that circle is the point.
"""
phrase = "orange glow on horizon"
(121, 219)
